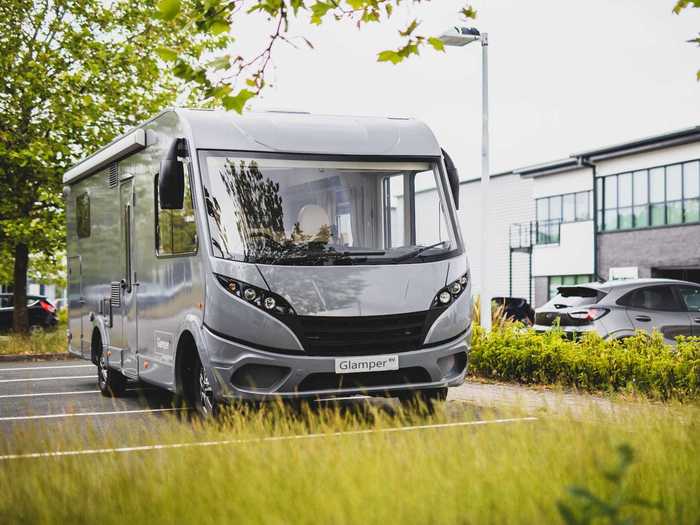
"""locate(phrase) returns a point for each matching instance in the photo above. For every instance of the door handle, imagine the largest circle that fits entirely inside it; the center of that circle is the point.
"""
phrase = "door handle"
(643, 318)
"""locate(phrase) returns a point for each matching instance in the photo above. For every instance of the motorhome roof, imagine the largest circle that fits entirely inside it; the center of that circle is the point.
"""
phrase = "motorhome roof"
(282, 132)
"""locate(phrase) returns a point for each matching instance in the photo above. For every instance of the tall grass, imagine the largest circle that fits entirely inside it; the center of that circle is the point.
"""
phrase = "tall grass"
(514, 473)
(48, 342)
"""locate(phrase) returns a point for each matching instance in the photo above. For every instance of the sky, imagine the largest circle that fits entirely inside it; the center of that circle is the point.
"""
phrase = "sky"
(565, 75)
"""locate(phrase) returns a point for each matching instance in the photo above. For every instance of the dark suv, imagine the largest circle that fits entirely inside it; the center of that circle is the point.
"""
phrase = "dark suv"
(42, 314)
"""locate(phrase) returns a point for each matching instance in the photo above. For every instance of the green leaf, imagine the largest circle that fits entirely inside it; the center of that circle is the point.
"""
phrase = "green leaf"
(219, 26)
(468, 12)
(237, 102)
(168, 9)
(389, 56)
(166, 54)
(437, 44)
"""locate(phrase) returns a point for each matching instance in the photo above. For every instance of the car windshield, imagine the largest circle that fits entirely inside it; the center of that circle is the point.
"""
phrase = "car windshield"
(271, 210)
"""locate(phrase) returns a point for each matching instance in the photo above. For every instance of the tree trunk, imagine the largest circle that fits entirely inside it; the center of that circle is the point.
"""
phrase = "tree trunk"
(20, 319)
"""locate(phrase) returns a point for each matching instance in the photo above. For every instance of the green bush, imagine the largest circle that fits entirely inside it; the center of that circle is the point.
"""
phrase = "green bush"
(641, 364)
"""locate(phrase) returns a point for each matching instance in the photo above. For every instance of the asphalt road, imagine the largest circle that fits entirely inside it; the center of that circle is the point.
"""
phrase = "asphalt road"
(52, 398)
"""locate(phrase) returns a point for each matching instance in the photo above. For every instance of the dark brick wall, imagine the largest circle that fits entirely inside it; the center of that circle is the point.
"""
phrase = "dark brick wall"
(673, 246)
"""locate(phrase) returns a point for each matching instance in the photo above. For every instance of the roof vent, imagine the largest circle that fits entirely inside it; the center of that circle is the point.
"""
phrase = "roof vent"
(113, 174)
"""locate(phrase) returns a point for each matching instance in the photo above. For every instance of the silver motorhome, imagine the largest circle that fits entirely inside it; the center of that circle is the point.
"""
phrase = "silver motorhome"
(269, 255)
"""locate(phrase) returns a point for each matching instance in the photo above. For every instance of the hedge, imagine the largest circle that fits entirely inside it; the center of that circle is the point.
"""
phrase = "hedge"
(640, 364)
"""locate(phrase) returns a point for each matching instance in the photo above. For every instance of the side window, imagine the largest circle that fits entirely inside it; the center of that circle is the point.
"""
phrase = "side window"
(82, 211)
(690, 295)
(652, 298)
(176, 230)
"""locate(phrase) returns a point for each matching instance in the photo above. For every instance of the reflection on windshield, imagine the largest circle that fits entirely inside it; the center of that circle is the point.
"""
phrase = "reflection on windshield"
(275, 211)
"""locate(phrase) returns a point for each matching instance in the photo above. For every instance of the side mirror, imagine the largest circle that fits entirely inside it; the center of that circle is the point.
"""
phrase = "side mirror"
(171, 180)
(452, 177)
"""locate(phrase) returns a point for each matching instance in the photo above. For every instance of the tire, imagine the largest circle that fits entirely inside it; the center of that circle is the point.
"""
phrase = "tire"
(112, 383)
(200, 395)
(429, 400)
(36, 329)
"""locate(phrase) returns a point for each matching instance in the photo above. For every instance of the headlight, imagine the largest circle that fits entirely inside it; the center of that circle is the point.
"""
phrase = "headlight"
(263, 299)
(450, 292)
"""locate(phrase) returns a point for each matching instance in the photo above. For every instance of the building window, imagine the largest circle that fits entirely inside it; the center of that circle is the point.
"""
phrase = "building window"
(665, 195)
(555, 281)
(553, 211)
(176, 230)
(82, 212)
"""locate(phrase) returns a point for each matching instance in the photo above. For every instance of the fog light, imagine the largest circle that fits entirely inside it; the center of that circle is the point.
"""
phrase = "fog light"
(250, 294)
(444, 297)
(270, 303)
(455, 288)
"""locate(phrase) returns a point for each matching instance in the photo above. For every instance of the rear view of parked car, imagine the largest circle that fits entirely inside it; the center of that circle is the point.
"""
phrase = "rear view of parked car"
(618, 309)
(42, 314)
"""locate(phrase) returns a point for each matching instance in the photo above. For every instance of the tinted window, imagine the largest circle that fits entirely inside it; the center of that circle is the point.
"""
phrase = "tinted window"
(176, 230)
(691, 297)
(651, 298)
(82, 211)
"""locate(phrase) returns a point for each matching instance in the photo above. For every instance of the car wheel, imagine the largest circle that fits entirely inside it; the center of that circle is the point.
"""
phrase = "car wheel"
(36, 329)
(429, 400)
(201, 396)
(112, 383)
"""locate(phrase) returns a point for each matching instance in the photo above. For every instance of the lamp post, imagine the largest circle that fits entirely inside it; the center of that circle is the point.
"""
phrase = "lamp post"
(460, 37)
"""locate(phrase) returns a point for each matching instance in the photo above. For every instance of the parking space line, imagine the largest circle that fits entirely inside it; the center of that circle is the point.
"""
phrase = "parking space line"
(24, 368)
(88, 414)
(41, 394)
(26, 379)
(11, 396)
(143, 448)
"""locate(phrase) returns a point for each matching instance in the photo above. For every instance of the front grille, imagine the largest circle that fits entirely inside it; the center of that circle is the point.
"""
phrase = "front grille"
(331, 381)
(369, 335)
(550, 319)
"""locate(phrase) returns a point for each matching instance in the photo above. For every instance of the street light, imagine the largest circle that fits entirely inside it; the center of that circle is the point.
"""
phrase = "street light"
(460, 37)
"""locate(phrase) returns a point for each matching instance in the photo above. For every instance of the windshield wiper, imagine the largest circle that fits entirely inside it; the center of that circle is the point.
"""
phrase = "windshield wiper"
(306, 256)
(415, 253)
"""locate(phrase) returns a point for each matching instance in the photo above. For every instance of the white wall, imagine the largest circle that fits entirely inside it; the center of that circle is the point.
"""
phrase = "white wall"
(649, 159)
(572, 256)
(567, 182)
(510, 202)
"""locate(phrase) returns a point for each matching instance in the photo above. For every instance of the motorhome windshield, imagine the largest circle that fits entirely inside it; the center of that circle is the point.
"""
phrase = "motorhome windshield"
(274, 210)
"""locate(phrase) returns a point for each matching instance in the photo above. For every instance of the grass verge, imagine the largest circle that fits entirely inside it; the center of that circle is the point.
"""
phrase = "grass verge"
(49, 342)
(515, 473)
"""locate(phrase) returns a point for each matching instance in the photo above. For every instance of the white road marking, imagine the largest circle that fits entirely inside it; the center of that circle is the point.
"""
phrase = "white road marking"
(81, 414)
(11, 396)
(46, 379)
(41, 394)
(141, 448)
(23, 368)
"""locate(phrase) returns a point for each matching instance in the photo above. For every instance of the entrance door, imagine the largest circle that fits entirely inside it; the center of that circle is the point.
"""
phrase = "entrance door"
(128, 282)
(75, 307)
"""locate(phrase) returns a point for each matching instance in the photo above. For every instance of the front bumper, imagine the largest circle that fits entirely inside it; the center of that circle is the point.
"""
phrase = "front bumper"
(226, 357)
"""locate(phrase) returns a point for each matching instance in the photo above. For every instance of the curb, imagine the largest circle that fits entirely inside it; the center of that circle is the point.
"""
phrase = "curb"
(36, 357)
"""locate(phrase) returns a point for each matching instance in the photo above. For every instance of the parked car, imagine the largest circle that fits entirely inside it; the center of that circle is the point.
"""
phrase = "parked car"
(42, 314)
(516, 308)
(617, 309)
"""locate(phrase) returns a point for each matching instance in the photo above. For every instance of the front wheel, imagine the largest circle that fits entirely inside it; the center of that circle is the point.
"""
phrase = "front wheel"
(201, 392)
(111, 382)
(428, 399)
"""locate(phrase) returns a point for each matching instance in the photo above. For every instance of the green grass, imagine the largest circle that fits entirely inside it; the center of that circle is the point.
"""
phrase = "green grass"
(49, 342)
(514, 473)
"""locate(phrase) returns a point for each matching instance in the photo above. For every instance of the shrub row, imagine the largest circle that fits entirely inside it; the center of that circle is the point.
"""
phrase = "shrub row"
(641, 364)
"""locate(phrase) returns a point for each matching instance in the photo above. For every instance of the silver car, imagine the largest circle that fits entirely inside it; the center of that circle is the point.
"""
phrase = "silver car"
(617, 309)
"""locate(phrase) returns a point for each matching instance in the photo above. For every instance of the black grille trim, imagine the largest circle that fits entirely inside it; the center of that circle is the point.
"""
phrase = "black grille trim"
(363, 335)
(113, 178)
(359, 381)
